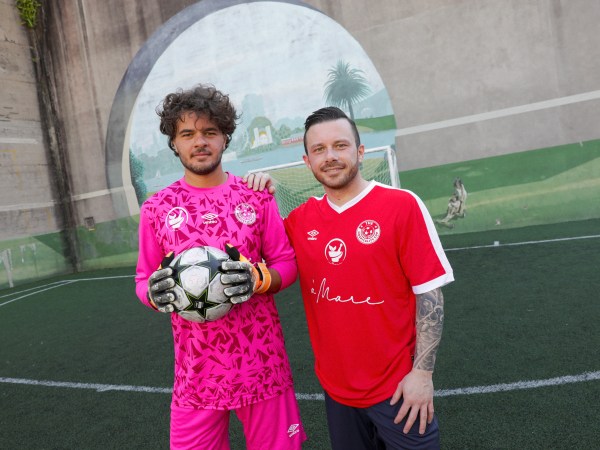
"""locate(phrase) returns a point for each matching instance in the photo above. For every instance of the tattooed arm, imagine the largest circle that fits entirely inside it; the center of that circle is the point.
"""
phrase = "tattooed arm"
(417, 386)
(430, 321)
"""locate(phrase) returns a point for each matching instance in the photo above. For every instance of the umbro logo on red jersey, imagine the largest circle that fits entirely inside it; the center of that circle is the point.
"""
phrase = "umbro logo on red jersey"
(312, 235)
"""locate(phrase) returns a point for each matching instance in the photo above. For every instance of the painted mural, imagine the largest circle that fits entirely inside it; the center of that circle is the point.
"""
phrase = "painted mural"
(278, 62)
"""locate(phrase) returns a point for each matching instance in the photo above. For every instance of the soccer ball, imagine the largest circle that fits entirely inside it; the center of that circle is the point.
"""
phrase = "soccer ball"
(199, 295)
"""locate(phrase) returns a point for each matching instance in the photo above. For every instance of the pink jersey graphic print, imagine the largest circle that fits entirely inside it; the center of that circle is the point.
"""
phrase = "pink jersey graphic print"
(241, 358)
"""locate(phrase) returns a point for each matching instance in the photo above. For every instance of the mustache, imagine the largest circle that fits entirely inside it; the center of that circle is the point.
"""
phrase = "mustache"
(334, 165)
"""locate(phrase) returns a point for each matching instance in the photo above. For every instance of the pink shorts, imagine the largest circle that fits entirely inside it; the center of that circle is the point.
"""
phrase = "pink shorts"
(272, 424)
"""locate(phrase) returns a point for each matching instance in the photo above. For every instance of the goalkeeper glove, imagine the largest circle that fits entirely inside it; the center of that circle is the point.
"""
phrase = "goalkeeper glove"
(245, 279)
(160, 286)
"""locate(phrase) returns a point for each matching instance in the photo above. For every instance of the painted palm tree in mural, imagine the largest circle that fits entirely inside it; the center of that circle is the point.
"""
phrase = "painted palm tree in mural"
(345, 86)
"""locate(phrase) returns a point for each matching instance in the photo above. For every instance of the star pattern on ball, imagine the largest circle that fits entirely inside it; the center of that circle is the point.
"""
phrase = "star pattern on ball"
(213, 264)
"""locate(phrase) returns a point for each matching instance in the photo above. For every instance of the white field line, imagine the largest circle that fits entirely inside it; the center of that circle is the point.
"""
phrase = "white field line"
(55, 284)
(49, 287)
(587, 376)
(104, 278)
(10, 294)
(511, 244)
(504, 387)
(93, 386)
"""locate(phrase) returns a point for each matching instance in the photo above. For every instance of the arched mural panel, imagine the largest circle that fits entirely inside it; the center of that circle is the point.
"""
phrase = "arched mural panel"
(278, 61)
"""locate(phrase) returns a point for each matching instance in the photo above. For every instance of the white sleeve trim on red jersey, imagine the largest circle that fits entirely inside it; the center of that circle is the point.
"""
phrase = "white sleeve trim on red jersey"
(448, 277)
(440, 281)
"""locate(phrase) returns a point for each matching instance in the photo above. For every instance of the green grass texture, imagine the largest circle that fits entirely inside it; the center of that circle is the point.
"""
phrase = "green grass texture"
(515, 313)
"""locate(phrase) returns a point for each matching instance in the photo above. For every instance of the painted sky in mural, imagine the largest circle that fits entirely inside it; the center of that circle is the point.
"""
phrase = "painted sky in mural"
(273, 59)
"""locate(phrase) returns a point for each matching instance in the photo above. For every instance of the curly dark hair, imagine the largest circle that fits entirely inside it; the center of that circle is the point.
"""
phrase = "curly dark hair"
(202, 99)
(327, 114)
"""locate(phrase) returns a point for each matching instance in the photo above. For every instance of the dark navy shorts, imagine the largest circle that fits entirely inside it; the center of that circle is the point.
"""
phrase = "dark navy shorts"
(373, 428)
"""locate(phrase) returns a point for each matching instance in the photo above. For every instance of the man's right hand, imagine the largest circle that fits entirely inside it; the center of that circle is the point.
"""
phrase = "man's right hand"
(160, 286)
(259, 181)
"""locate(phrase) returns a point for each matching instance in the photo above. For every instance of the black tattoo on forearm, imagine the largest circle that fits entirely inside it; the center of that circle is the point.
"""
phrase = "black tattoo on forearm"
(430, 321)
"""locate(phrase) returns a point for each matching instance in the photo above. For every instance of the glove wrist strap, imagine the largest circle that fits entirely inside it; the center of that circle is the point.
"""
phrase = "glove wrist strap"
(151, 302)
(265, 279)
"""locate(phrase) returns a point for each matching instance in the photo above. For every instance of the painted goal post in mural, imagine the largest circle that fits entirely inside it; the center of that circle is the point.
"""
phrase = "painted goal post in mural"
(295, 183)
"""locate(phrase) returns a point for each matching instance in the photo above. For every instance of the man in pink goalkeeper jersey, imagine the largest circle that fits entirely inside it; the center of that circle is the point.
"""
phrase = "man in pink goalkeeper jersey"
(238, 362)
(371, 268)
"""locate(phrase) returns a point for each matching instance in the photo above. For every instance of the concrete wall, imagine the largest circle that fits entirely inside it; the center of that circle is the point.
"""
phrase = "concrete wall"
(26, 199)
(91, 46)
(445, 60)
(467, 78)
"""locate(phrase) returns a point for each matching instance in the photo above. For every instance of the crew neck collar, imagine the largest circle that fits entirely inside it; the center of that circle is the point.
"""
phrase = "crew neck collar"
(227, 182)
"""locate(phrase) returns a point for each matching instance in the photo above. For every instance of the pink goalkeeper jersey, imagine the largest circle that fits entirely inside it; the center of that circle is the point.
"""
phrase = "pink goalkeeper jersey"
(239, 359)
(360, 267)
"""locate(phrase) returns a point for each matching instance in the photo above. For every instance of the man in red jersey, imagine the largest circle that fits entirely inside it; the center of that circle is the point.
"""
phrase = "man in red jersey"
(371, 270)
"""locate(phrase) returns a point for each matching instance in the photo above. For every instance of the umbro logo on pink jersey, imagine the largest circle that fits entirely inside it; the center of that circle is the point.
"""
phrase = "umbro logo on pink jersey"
(293, 429)
(210, 218)
(312, 235)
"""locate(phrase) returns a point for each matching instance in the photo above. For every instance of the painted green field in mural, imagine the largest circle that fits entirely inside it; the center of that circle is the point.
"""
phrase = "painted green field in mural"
(30, 258)
(377, 123)
(569, 196)
(552, 185)
(499, 171)
(109, 244)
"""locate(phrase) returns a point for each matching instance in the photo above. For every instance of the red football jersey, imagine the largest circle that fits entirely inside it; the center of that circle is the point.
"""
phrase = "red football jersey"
(360, 267)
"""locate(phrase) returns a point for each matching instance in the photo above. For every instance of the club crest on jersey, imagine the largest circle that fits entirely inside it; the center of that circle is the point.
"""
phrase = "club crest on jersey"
(245, 213)
(176, 217)
(335, 251)
(368, 231)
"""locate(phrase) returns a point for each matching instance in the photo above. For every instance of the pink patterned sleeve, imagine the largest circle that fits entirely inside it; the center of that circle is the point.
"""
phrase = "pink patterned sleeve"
(149, 258)
(276, 248)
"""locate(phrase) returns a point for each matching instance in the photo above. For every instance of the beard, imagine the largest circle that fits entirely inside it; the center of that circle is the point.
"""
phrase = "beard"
(202, 168)
(340, 181)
